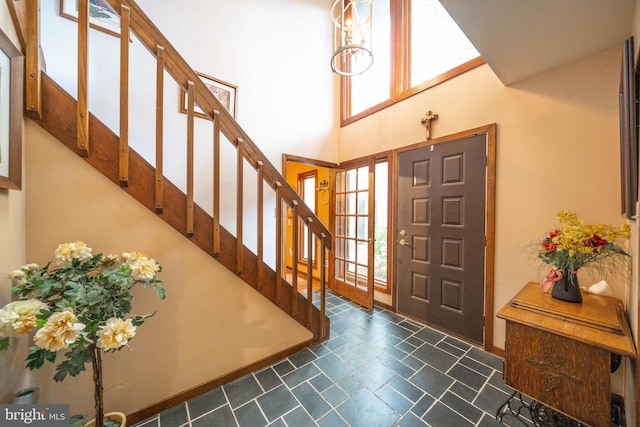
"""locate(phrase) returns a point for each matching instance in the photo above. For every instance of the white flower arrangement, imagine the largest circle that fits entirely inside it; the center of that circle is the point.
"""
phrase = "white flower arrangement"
(78, 302)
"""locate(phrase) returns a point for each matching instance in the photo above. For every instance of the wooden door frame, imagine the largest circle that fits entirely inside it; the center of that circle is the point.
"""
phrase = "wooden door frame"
(377, 157)
(490, 131)
(352, 292)
(286, 158)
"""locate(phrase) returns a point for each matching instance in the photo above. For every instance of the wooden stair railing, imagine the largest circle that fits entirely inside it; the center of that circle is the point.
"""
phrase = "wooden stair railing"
(87, 136)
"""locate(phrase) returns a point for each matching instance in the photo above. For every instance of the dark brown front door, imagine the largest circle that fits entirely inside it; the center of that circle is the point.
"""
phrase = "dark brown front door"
(441, 235)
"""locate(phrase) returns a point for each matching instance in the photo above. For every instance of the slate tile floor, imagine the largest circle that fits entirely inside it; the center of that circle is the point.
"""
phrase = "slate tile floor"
(378, 369)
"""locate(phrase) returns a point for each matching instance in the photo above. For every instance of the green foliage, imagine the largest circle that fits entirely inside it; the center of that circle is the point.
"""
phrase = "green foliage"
(380, 251)
(74, 363)
(80, 304)
(38, 355)
(108, 422)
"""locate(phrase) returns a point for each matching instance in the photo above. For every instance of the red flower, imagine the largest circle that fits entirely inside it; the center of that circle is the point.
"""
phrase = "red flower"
(596, 242)
(549, 246)
(553, 234)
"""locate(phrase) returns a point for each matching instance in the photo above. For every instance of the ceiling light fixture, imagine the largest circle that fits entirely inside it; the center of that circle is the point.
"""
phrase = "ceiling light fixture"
(352, 36)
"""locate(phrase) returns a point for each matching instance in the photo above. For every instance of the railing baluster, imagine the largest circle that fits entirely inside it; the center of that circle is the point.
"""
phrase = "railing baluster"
(323, 278)
(32, 61)
(82, 118)
(280, 237)
(260, 228)
(159, 199)
(310, 254)
(123, 160)
(294, 259)
(240, 207)
(190, 132)
(216, 183)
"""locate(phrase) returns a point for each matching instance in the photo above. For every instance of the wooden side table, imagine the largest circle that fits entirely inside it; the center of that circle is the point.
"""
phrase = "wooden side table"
(559, 353)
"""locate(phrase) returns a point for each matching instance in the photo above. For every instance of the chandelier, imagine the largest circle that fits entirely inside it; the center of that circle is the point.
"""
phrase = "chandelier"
(352, 36)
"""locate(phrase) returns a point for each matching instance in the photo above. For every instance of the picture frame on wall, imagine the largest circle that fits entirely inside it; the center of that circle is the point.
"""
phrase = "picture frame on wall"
(11, 111)
(102, 16)
(224, 92)
(629, 83)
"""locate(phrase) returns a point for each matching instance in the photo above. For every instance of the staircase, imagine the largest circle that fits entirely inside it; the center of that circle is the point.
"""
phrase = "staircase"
(70, 121)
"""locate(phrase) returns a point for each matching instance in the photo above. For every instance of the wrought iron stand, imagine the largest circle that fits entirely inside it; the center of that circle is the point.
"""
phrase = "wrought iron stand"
(541, 415)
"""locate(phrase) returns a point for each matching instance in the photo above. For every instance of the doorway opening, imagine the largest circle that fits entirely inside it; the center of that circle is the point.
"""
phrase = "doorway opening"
(363, 214)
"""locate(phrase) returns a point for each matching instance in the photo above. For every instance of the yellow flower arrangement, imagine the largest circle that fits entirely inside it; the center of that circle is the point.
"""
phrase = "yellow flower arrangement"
(578, 245)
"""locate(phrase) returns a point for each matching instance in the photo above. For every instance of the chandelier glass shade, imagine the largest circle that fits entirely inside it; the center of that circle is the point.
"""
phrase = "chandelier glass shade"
(352, 36)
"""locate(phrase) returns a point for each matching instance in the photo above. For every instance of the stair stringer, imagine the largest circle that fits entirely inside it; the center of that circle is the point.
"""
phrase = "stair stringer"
(59, 119)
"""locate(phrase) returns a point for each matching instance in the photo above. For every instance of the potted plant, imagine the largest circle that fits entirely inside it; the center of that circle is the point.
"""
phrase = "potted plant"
(78, 303)
(575, 245)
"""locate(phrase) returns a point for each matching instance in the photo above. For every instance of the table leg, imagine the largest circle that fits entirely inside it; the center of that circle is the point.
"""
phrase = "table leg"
(514, 407)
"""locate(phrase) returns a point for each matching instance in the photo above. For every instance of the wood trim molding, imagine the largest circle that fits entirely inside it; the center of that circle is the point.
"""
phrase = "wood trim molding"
(286, 158)
(184, 396)
(13, 101)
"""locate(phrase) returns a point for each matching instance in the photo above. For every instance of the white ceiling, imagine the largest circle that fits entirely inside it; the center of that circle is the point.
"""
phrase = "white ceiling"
(521, 38)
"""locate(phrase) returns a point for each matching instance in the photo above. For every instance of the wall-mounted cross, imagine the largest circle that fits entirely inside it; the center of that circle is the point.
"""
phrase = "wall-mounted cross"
(426, 122)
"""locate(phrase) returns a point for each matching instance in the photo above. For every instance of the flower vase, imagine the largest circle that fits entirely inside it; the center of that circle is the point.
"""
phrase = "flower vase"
(567, 287)
(28, 396)
(117, 417)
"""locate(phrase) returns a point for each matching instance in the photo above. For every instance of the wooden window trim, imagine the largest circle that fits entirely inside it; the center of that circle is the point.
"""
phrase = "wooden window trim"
(400, 68)
(302, 242)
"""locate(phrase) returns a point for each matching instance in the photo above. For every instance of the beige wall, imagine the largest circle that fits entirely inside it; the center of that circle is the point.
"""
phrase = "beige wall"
(211, 322)
(12, 253)
(557, 148)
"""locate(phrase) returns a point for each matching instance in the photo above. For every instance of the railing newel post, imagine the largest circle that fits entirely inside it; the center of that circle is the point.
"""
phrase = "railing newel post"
(190, 136)
(260, 224)
(216, 183)
(123, 158)
(159, 172)
(240, 207)
(33, 97)
(82, 111)
(294, 258)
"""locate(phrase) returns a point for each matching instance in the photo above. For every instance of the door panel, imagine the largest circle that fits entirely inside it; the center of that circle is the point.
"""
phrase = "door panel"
(441, 235)
(353, 223)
